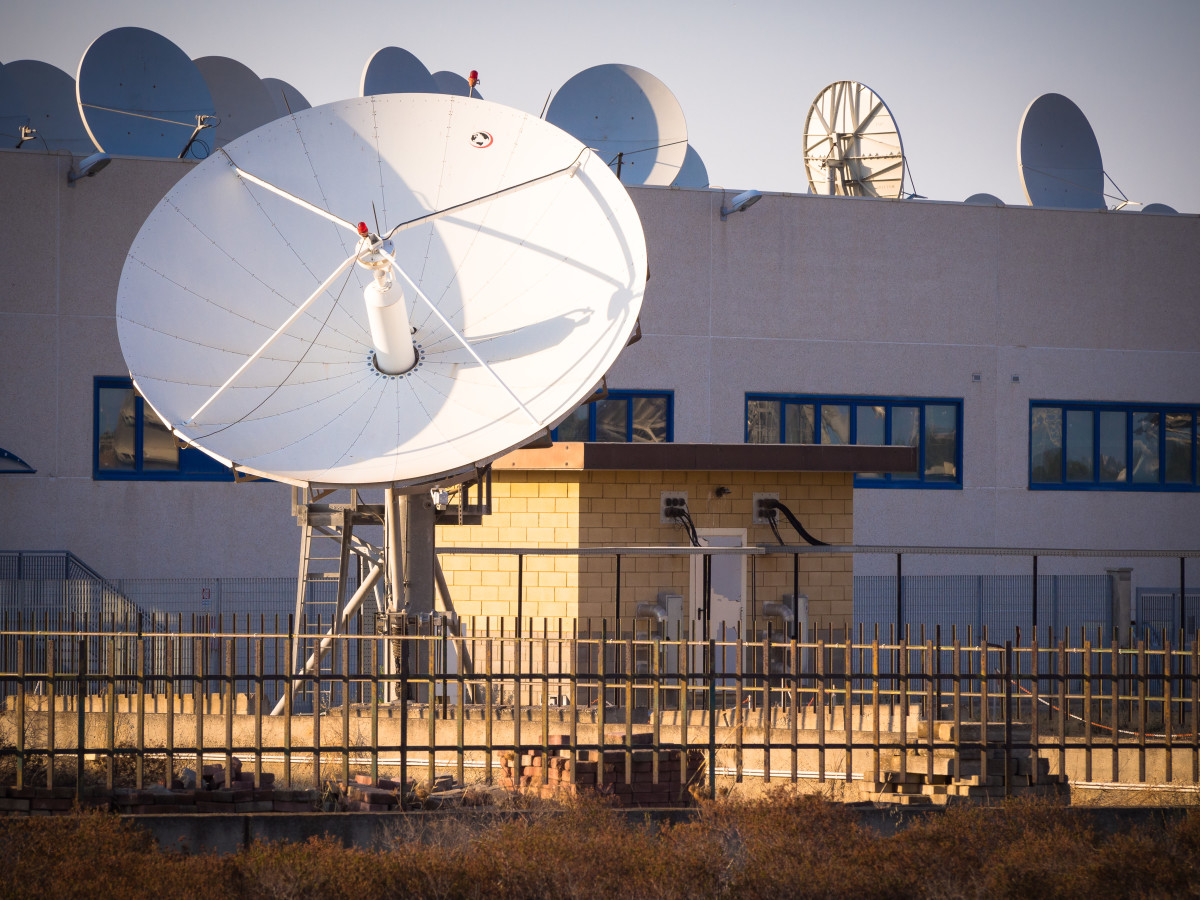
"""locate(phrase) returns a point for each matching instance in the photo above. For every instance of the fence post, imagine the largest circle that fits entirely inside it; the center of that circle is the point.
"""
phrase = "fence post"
(20, 713)
(710, 671)
(81, 735)
(1008, 668)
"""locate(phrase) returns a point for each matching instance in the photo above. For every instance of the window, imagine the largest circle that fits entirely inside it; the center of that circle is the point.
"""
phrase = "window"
(623, 417)
(1112, 447)
(933, 426)
(132, 443)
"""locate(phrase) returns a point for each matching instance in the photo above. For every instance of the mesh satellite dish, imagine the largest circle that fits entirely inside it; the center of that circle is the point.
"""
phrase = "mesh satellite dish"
(140, 95)
(1058, 156)
(1160, 209)
(501, 279)
(240, 98)
(13, 116)
(852, 146)
(984, 200)
(693, 173)
(455, 85)
(49, 94)
(286, 98)
(629, 117)
(392, 70)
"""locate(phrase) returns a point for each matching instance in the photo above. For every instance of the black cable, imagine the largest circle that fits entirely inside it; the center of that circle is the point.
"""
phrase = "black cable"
(772, 520)
(691, 528)
(775, 504)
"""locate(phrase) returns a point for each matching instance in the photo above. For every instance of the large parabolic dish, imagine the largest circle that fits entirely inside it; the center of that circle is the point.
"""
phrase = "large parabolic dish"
(852, 147)
(498, 227)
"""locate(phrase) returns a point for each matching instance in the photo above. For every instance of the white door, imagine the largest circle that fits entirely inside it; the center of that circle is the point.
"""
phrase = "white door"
(728, 598)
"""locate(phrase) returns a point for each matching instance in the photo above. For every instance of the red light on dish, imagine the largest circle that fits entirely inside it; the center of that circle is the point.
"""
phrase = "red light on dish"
(362, 228)
(473, 78)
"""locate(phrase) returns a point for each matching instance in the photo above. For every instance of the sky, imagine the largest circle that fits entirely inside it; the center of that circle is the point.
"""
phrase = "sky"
(957, 76)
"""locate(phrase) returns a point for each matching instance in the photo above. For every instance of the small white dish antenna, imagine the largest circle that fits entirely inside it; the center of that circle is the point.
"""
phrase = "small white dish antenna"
(14, 119)
(49, 94)
(852, 145)
(693, 173)
(286, 98)
(241, 99)
(383, 291)
(456, 85)
(140, 95)
(629, 117)
(1058, 157)
(1160, 209)
(984, 200)
(393, 70)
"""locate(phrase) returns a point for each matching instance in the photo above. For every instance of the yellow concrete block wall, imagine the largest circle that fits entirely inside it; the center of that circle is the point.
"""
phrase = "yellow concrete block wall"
(602, 509)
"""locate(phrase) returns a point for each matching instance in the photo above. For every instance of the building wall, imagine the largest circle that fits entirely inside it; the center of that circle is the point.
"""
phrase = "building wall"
(799, 294)
(556, 509)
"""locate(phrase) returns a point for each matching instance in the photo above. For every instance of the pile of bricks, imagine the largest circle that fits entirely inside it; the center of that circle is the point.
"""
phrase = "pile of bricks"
(366, 794)
(933, 778)
(549, 775)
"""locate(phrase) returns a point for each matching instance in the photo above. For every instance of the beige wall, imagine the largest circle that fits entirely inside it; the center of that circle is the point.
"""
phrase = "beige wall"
(555, 509)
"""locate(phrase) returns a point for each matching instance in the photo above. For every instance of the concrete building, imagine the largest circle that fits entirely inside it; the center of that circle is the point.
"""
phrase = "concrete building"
(1042, 362)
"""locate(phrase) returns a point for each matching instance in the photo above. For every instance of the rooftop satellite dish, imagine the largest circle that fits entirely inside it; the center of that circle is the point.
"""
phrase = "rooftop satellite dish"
(455, 85)
(49, 94)
(286, 98)
(500, 281)
(852, 146)
(629, 117)
(1160, 209)
(1058, 157)
(240, 98)
(13, 116)
(693, 173)
(392, 70)
(984, 200)
(140, 95)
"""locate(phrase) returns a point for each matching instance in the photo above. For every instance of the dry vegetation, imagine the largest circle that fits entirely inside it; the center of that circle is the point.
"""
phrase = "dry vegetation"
(781, 846)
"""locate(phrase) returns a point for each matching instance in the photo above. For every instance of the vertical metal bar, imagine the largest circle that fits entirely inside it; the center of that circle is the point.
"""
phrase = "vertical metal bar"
(765, 713)
(346, 710)
(517, 711)
(374, 642)
(314, 681)
(431, 708)
(1087, 710)
(230, 696)
(821, 710)
(20, 712)
(1183, 595)
(739, 712)
(198, 655)
(1008, 758)
(957, 707)
(931, 711)
(601, 669)
(1195, 679)
(710, 672)
(573, 725)
(80, 720)
(140, 765)
(487, 710)
(288, 691)
(1035, 706)
(259, 702)
(545, 705)
(1062, 708)
(847, 717)
(984, 710)
(460, 710)
(111, 715)
(1114, 709)
(1166, 718)
(629, 710)
(656, 703)
(874, 705)
(51, 702)
(1141, 702)
(684, 659)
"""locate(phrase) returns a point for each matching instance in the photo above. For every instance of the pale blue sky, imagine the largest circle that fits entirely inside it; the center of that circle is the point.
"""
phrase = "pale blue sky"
(956, 75)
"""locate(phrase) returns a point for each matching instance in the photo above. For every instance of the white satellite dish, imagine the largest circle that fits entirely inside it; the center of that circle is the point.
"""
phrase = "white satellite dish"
(984, 200)
(13, 115)
(852, 146)
(49, 94)
(264, 327)
(286, 98)
(693, 173)
(629, 117)
(455, 85)
(240, 98)
(1058, 156)
(393, 70)
(140, 95)
(1160, 209)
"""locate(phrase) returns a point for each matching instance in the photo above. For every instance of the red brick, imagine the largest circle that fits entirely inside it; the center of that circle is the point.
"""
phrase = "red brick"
(365, 780)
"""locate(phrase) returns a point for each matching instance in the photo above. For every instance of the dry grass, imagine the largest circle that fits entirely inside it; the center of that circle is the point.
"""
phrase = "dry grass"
(779, 846)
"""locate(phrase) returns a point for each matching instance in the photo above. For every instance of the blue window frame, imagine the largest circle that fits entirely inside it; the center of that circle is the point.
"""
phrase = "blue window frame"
(931, 424)
(1112, 446)
(623, 417)
(130, 442)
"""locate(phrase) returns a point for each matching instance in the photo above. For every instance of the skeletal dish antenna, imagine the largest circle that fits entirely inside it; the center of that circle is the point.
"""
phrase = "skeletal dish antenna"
(14, 119)
(629, 117)
(286, 98)
(693, 173)
(852, 146)
(1058, 156)
(383, 291)
(455, 85)
(49, 95)
(140, 95)
(393, 70)
(240, 97)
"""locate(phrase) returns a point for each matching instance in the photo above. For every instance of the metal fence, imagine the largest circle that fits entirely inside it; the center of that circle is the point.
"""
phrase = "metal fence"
(774, 697)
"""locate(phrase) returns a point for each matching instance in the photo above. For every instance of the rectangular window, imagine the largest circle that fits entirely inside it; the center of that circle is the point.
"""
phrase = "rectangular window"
(933, 426)
(130, 442)
(1112, 447)
(622, 417)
